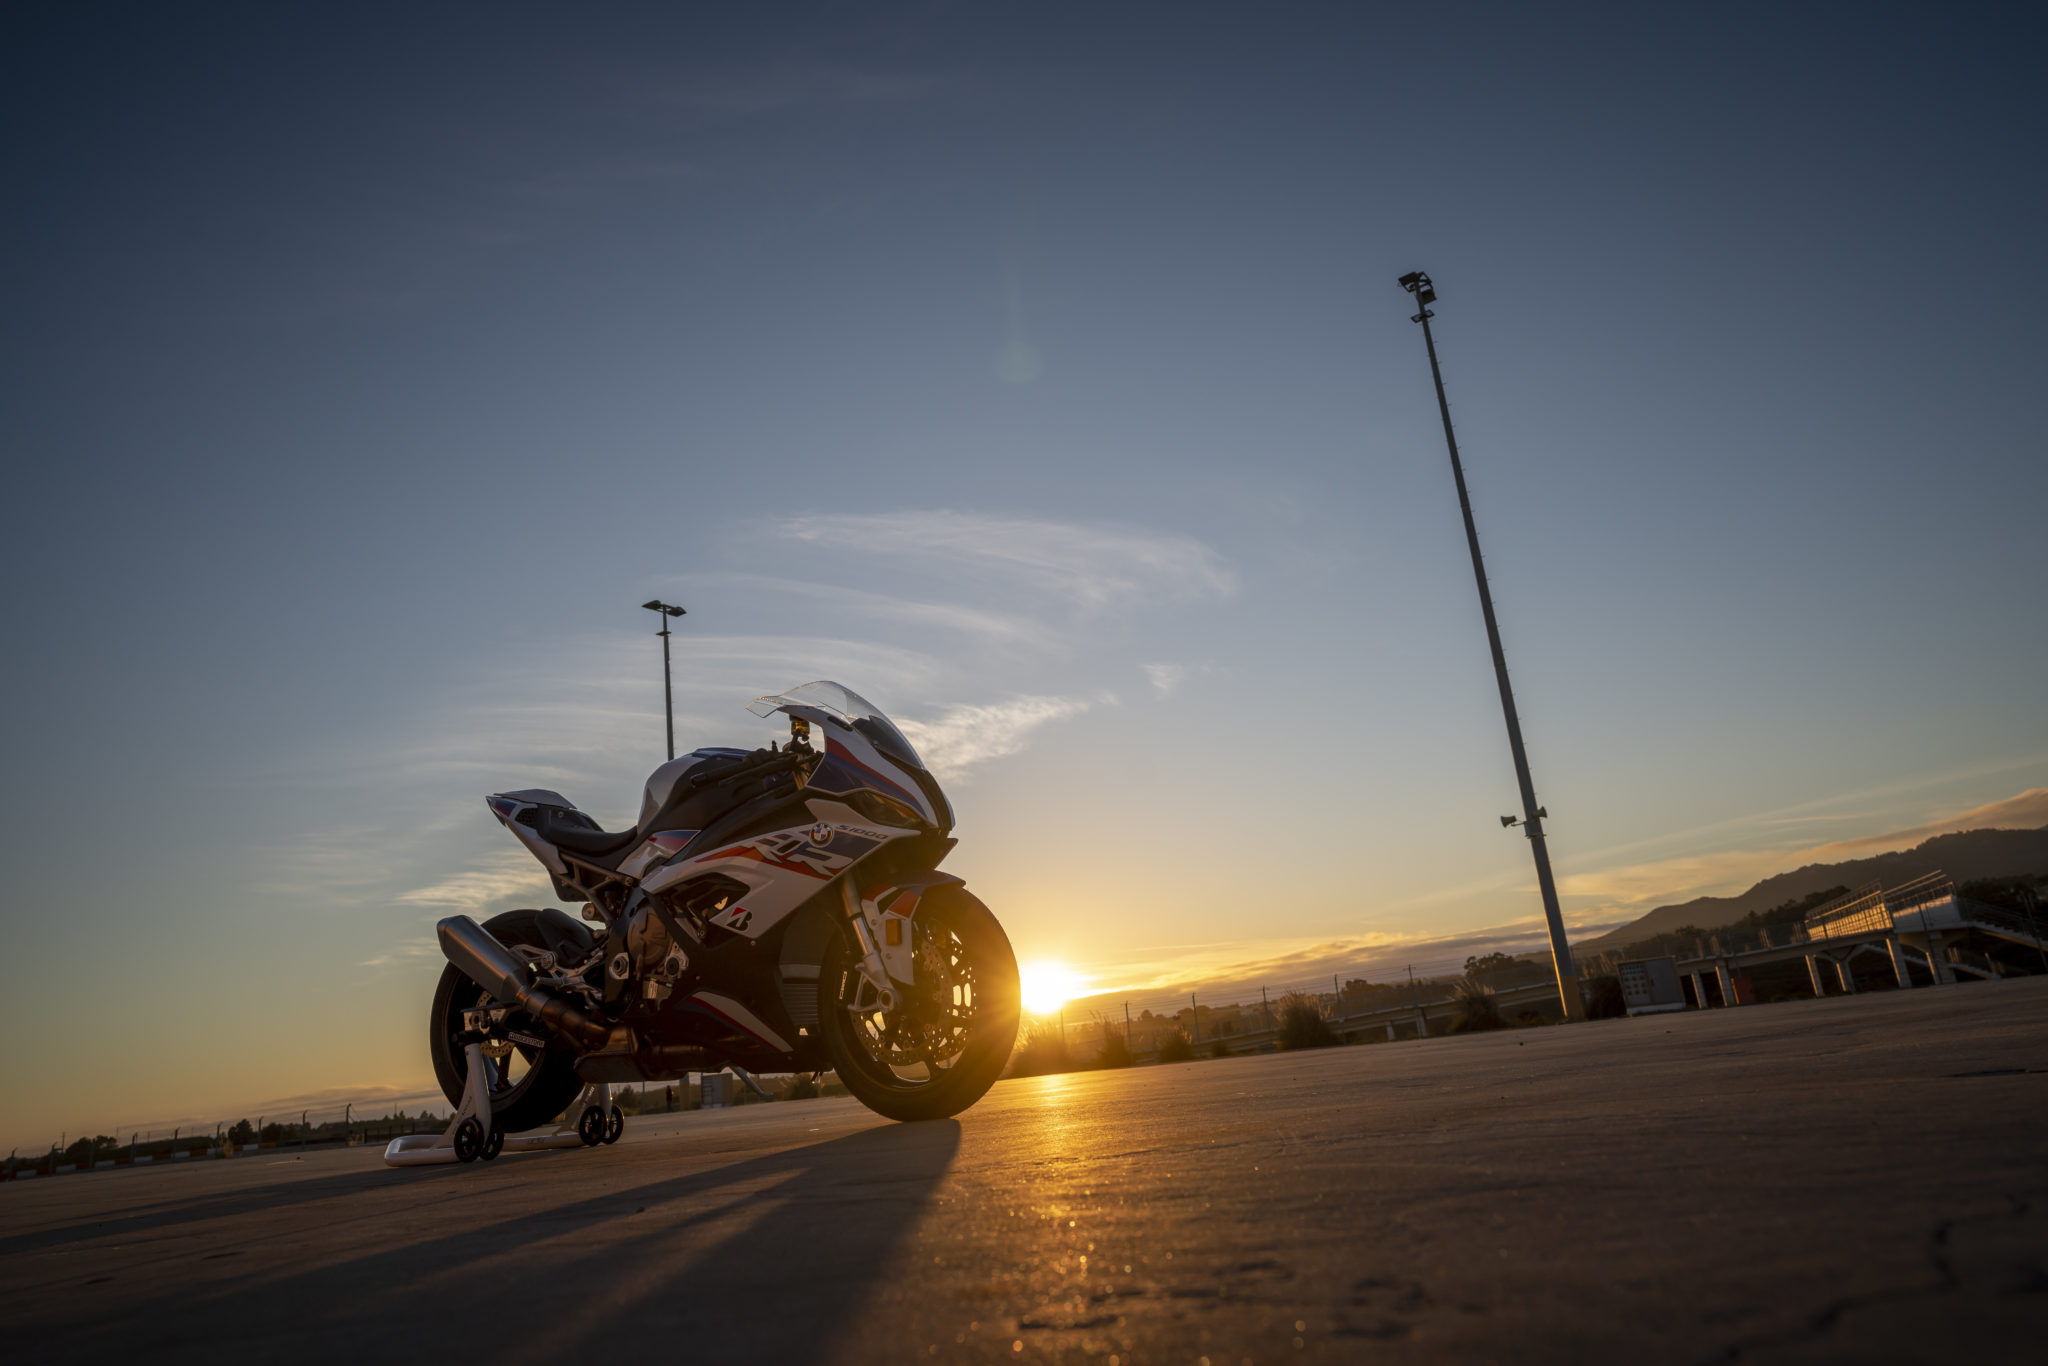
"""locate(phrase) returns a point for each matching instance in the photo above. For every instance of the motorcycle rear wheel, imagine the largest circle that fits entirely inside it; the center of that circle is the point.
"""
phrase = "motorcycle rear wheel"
(951, 1034)
(534, 1084)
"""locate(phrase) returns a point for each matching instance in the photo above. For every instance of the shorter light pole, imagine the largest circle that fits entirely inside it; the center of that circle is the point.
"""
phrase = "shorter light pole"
(668, 692)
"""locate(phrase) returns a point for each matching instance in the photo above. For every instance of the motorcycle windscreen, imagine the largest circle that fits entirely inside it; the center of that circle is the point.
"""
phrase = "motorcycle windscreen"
(850, 707)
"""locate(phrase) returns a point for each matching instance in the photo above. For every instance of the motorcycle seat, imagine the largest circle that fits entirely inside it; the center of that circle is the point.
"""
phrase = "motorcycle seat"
(576, 832)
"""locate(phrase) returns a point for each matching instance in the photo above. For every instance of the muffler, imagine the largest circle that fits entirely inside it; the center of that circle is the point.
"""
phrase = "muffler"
(495, 968)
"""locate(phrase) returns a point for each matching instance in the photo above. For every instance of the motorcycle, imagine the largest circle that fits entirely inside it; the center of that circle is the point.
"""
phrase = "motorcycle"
(773, 910)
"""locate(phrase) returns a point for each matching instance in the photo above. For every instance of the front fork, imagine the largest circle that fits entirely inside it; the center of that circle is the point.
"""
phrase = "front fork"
(877, 995)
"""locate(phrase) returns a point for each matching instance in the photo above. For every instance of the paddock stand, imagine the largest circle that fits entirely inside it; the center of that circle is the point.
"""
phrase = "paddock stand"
(470, 1135)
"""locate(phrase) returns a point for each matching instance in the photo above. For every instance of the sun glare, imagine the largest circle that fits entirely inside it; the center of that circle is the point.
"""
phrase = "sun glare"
(1047, 986)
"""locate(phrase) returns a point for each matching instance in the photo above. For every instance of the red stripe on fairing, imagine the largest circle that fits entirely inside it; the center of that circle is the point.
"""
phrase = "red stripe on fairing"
(749, 851)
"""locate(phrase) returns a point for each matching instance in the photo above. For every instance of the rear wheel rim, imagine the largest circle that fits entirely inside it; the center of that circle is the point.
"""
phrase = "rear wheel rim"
(513, 1066)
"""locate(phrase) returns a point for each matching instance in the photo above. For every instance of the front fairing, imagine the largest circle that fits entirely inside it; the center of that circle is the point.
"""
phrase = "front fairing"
(849, 763)
(860, 749)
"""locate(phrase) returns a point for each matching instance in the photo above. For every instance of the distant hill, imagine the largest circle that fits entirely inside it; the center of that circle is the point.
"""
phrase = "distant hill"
(1965, 857)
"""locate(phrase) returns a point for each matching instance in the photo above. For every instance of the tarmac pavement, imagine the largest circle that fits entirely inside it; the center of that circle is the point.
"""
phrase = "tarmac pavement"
(1857, 1179)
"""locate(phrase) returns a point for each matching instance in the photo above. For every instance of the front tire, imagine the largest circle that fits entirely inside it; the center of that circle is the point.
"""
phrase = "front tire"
(532, 1085)
(951, 1034)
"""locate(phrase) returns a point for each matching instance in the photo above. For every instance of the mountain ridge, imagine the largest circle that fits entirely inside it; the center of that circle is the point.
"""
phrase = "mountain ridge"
(1964, 855)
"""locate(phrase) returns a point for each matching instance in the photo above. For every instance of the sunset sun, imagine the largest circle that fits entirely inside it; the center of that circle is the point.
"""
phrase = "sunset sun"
(1047, 986)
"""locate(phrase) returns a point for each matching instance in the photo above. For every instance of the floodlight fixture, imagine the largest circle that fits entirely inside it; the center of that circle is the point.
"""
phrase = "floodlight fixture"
(1418, 284)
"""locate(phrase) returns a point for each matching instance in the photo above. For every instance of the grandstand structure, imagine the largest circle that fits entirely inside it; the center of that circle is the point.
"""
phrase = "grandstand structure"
(1920, 933)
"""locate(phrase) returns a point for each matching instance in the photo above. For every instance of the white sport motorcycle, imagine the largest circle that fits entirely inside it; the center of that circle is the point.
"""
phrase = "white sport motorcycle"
(774, 910)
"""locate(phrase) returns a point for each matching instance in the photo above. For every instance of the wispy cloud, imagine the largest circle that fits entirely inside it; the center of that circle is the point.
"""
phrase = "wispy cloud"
(1093, 566)
(342, 862)
(1166, 677)
(2024, 811)
(514, 872)
(404, 951)
(769, 89)
(578, 180)
(1001, 627)
(970, 735)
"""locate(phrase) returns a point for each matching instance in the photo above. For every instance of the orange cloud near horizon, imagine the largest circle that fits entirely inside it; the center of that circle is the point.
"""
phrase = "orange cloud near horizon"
(1680, 879)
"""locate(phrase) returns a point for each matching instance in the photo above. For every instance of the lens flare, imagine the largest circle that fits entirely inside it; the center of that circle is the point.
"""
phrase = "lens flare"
(1047, 986)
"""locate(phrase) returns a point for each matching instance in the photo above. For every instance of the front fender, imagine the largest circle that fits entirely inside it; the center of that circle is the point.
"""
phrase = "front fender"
(888, 909)
(814, 923)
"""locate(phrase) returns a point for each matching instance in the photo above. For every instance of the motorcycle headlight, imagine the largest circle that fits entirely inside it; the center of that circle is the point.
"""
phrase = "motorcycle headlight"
(885, 810)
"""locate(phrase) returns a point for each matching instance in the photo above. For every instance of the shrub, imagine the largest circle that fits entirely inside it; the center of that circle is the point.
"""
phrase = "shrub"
(1604, 1000)
(1115, 1051)
(804, 1087)
(1302, 1024)
(1477, 1008)
(1176, 1048)
(1218, 1049)
(1042, 1050)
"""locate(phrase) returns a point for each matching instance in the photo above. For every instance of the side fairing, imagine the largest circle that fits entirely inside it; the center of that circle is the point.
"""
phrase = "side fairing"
(781, 868)
(662, 844)
(661, 784)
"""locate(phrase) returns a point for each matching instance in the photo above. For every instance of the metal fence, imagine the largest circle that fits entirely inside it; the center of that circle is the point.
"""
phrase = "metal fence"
(1232, 1015)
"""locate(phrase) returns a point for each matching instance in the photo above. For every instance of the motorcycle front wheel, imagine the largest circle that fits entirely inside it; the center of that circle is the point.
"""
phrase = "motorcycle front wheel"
(951, 1033)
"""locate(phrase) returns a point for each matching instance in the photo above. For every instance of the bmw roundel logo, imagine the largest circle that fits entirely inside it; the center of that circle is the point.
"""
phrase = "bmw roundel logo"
(821, 833)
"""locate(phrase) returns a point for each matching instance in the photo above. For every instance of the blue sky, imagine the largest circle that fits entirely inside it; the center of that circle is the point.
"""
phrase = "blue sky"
(1038, 372)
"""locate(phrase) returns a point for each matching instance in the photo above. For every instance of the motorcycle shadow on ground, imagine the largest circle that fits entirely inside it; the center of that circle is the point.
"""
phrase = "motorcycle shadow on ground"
(159, 1210)
(770, 1258)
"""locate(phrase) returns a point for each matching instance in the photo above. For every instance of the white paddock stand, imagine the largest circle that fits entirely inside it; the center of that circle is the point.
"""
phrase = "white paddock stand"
(593, 1119)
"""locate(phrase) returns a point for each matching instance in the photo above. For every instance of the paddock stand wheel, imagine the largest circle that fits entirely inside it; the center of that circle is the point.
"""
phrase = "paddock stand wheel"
(614, 1125)
(473, 1131)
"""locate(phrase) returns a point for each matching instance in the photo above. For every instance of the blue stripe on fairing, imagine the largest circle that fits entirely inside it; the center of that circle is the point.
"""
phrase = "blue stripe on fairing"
(858, 775)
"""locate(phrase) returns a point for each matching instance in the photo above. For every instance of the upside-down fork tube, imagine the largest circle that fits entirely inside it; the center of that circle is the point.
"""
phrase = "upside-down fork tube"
(870, 957)
(478, 955)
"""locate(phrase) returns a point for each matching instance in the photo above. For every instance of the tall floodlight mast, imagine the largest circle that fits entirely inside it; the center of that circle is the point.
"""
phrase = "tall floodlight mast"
(1419, 285)
(668, 691)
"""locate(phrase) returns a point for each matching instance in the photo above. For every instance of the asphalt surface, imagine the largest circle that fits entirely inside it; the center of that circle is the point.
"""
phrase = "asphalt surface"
(1856, 1179)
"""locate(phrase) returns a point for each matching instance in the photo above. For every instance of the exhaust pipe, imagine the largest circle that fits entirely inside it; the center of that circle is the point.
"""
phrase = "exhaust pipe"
(492, 966)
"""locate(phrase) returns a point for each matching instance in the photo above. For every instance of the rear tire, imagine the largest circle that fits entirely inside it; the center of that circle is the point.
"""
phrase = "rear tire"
(971, 1005)
(546, 1083)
